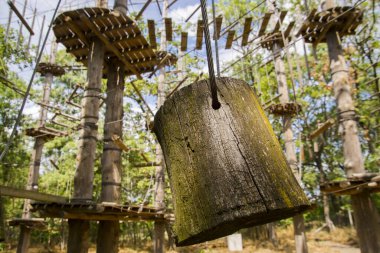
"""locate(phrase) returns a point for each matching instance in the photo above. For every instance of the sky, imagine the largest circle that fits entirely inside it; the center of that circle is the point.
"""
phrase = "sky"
(179, 12)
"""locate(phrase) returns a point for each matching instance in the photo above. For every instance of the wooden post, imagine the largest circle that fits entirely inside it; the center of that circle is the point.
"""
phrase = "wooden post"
(290, 151)
(108, 231)
(21, 24)
(9, 23)
(159, 192)
(365, 213)
(34, 169)
(30, 35)
(78, 239)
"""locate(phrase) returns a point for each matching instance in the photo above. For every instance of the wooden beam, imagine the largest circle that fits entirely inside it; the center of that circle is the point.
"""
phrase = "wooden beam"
(119, 142)
(246, 31)
(29, 194)
(152, 33)
(109, 46)
(321, 129)
(143, 9)
(230, 39)
(141, 97)
(184, 41)
(264, 24)
(168, 29)
(198, 42)
(19, 15)
(218, 26)
(145, 165)
(177, 86)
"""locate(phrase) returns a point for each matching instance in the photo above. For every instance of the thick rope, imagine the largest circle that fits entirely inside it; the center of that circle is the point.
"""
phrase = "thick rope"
(214, 89)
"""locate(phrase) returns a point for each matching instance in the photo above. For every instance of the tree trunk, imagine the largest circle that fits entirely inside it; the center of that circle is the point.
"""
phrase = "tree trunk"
(365, 213)
(34, 169)
(159, 192)
(226, 167)
(108, 231)
(298, 221)
(83, 179)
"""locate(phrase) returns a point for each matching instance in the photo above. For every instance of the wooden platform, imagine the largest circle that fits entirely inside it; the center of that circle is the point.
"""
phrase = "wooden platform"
(102, 211)
(120, 34)
(54, 69)
(44, 132)
(33, 223)
(343, 20)
(353, 185)
(285, 109)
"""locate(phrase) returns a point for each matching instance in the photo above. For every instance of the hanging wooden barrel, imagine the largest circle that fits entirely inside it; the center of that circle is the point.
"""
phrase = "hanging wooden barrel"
(226, 167)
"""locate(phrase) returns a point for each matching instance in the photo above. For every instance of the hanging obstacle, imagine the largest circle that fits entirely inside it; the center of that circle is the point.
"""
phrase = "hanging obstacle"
(226, 167)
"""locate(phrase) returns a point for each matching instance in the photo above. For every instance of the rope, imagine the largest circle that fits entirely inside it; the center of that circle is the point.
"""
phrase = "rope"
(10, 140)
(214, 89)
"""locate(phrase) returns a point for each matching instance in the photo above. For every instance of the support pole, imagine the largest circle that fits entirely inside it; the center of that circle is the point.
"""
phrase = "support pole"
(21, 25)
(159, 189)
(9, 23)
(365, 212)
(34, 169)
(290, 151)
(78, 240)
(108, 231)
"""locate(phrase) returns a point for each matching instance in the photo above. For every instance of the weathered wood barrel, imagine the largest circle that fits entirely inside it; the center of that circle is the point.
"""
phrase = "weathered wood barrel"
(226, 167)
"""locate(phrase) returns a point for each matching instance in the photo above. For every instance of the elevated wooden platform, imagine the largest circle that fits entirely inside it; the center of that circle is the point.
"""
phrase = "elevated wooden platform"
(30, 194)
(33, 223)
(344, 20)
(43, 68)
(120, 35)
(285, 109)
(44, 132)
(102, 211)
(354, 185)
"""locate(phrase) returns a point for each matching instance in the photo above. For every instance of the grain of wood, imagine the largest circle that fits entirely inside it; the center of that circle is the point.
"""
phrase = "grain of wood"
(226, 167)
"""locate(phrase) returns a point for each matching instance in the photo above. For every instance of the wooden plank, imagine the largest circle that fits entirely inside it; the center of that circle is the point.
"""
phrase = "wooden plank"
(29, 194)
(76, 30)
(168, 29)
(264, 24)
(184, 36)
(289, 29)
(152, 33)
(20, 16)
(198, 42)
(246, 31)
(109, 45)
(279, 21)
(230, 39)
(218, 26)
(321, 129)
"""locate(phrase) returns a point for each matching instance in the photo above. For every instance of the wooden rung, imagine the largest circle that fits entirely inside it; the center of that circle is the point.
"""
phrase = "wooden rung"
(198, 43)
(152, 33)
(264, 24)
(168, 29)
(119, 142)
(184, 41)
(321, 129)
(230, 39)
(246, 31)
(289, 29)
(218, 26)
